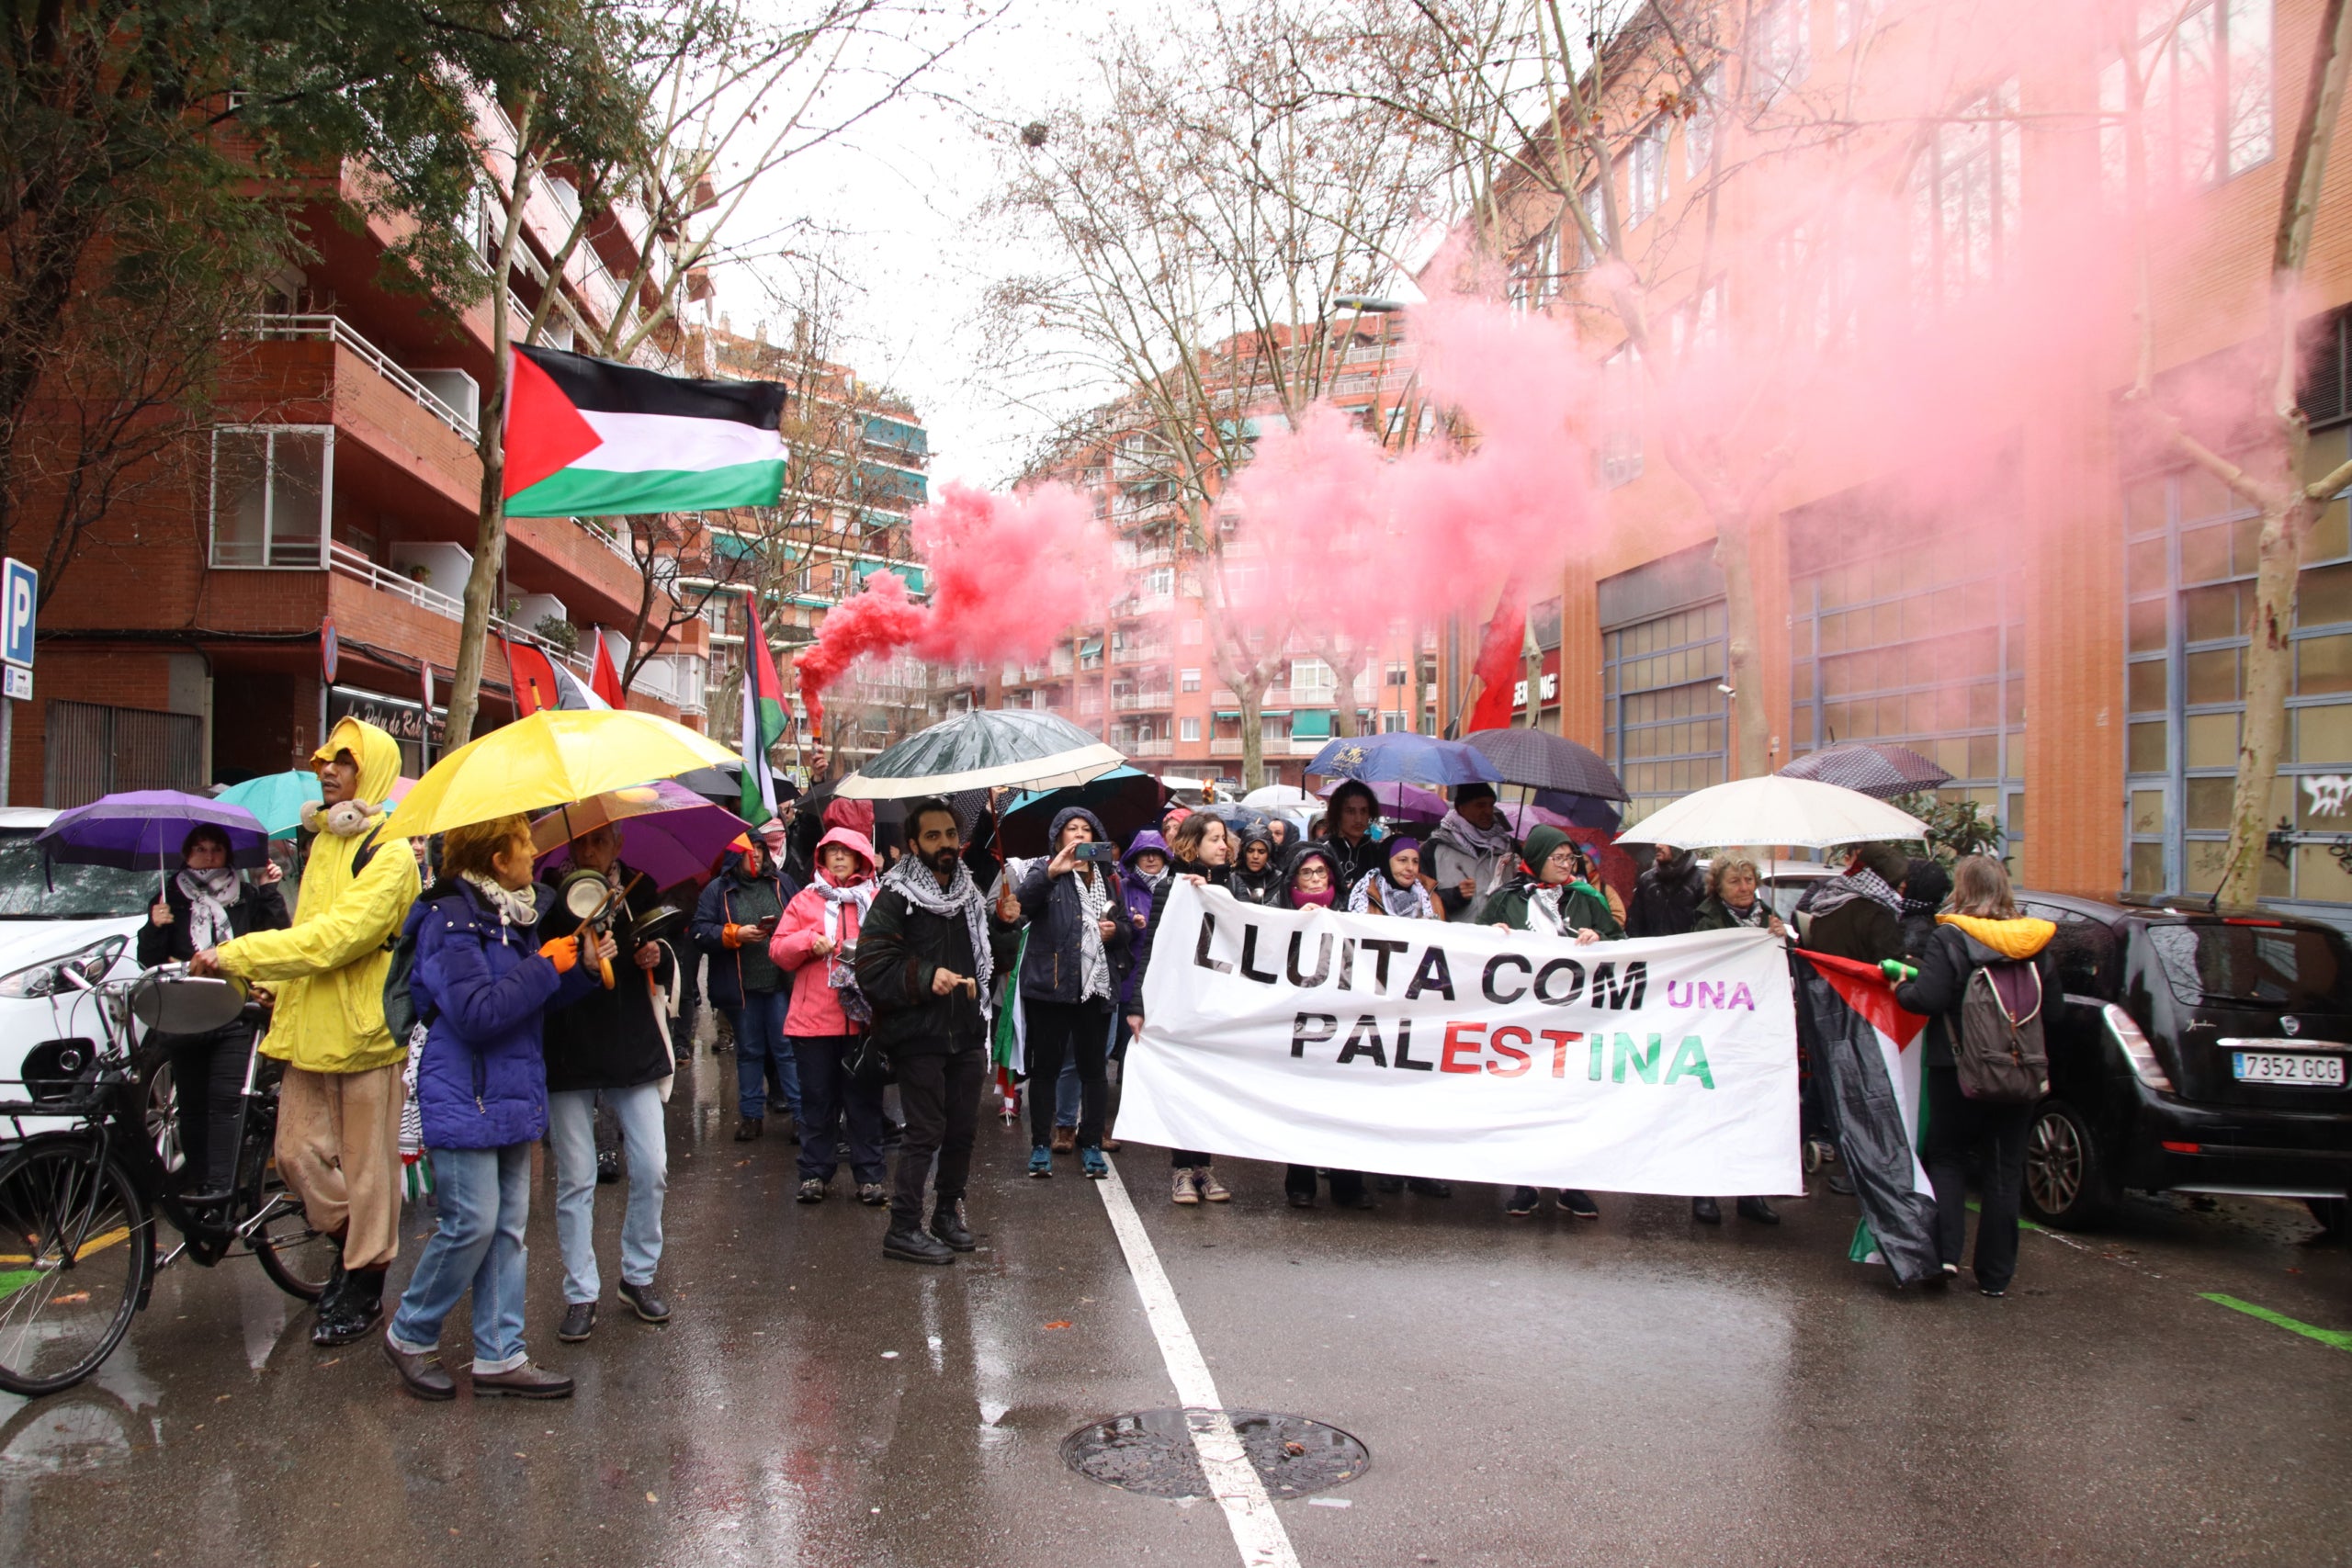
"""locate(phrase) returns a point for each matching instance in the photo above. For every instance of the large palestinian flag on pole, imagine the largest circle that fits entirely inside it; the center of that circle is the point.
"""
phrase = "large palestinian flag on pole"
(588, 437)
(1867, 1051)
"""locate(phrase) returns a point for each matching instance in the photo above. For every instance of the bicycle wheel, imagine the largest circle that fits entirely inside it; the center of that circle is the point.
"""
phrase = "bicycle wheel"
(297, 1256)
(75, 1250)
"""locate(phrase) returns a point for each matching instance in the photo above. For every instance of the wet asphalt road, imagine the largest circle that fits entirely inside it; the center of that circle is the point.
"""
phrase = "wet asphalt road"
(1638, 1391)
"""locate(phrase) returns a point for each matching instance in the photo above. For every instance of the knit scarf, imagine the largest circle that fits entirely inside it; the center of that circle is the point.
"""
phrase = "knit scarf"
(1411, 902)
(208, 895)
(919, 886)
(515, 907)
(858, 894)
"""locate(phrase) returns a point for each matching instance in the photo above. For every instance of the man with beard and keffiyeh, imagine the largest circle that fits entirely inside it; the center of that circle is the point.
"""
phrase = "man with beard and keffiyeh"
(926, 952)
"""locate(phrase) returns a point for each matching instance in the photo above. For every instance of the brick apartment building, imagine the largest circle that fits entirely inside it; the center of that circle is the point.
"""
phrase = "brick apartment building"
(338, 484)
(1146, 678)
(2083, 684)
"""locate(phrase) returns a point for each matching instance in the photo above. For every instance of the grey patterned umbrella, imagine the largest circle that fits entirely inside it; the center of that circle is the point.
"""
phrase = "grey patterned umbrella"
(1539, 761)
(1876, 768)
(1022, 747)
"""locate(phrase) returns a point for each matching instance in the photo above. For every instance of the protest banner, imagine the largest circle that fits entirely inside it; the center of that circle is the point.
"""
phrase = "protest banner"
(1465, 1052)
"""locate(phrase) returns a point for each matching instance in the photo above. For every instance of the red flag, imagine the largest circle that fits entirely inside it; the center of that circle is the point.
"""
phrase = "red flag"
(602, 679)
(1498, 667)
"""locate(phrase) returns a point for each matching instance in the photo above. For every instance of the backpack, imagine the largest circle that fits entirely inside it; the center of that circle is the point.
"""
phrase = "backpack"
(1998, 1045)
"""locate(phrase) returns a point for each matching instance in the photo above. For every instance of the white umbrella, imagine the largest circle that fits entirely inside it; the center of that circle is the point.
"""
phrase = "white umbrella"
(1273, 797)
(1773, 809)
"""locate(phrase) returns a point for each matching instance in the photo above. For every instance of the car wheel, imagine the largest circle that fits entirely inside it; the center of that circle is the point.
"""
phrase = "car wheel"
(2066, 1182)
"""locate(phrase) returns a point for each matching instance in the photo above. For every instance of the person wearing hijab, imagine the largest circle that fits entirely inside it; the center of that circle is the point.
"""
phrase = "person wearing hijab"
(1396, 888)
(816, 943)
(1145, 866)
(1257, 870)
(1202, 854)
(1924, 892)
(1080, 940)
(1552, 899)
(205, 905)
(1311, 881)
(1470, 853)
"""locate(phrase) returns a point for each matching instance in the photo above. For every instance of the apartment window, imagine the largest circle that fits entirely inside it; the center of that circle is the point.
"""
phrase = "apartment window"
(1964, 196)
(1312, 677)
(1596, 211)
(271, 490)
(2205, 93)
(1621, 419)
(1188, 680)
(1781, 47)
(1699, 131)
(1159, 582)
(2189, 581)
(1188, 729)
(1646, 186)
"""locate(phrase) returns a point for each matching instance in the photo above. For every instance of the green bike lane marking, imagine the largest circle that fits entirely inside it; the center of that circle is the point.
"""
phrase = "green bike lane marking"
(15, 1280)
(2334, 1337)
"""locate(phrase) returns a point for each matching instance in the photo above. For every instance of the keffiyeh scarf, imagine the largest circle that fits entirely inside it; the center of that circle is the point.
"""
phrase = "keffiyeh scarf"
(1411, 902)
(919, 886)
(1094, 906)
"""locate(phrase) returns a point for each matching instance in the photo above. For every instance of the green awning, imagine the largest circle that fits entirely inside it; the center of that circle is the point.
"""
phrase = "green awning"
(1088, 650)
(1310, 722)
(1228, 713)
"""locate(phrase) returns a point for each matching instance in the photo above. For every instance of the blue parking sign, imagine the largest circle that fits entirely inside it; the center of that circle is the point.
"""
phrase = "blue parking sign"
(19, 592)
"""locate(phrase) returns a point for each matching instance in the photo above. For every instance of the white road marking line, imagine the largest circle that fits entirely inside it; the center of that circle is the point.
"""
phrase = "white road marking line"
(1248, 1512)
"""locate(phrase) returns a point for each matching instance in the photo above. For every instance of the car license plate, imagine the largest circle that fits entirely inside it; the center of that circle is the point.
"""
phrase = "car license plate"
(2286, 1066)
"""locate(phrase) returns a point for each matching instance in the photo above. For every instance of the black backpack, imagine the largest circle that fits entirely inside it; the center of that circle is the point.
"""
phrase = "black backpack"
(1999, 1052)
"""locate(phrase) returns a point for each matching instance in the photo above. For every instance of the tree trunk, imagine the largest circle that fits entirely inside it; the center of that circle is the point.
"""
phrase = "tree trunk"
(1251, 699)
(481, 584)
(1743, 671)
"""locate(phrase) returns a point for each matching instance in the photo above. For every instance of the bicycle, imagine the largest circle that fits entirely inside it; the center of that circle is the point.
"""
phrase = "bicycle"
(78, 1204)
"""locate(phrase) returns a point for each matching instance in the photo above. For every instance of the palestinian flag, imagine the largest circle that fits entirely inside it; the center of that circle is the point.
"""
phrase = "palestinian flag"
(763, 719)
(589, 437)
(1867, 1050)
(541, 683)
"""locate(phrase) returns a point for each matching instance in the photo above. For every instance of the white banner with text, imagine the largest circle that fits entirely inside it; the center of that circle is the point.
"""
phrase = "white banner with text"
(1463, 1052)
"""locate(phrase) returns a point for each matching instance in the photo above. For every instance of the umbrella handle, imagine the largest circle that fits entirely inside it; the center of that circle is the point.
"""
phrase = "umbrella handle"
(605, 964)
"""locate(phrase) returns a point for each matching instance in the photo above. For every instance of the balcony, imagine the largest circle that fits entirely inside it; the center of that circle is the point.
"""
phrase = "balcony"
(1162, 747)
(1139, 653)
(447, 399)
(1225, 748)
(1157, 700)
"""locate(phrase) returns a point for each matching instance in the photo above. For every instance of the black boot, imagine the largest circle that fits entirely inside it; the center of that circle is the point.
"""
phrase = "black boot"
(330, 1302)
(1706, 1210)
(358, 1309)
(1760, 1212)
(947, 1224)
(909, 1245)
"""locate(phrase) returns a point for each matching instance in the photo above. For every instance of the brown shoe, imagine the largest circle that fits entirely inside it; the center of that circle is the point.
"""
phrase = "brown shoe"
(421, 1375)
(1110, 1145)
(1065, 1139)
(529, 1380)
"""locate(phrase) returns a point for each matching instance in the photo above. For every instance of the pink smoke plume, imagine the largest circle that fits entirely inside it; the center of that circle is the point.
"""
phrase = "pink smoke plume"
(1007, 572)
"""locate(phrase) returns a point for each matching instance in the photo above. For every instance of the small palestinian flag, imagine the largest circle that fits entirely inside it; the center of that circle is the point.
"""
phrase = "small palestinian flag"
(590, 437)
(763, 721)
(1866, 1049)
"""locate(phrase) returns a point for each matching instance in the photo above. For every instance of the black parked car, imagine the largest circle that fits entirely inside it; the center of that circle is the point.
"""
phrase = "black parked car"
(2194, 1051)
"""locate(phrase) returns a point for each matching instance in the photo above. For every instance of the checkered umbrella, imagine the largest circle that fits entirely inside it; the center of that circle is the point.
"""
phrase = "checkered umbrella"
(1876, 768)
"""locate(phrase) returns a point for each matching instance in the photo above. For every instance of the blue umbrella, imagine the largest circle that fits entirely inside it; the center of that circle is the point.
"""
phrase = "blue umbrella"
(275, 800)
(1403, 757)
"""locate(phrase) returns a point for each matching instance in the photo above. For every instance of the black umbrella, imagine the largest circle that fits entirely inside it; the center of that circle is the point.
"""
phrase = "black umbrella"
(1876, 768)
(1542, 761)
(1126, 801)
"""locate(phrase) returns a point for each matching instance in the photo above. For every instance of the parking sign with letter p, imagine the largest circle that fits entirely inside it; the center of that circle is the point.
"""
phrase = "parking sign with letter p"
(19, 592)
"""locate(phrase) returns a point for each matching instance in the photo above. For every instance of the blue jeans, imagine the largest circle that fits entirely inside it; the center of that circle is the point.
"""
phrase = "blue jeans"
(485, 1200)
(830, 1096)
(572, 1119)
(763, 1055)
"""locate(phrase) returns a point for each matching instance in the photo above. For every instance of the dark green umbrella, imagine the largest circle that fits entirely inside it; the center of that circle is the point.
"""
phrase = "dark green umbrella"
(1023, 748)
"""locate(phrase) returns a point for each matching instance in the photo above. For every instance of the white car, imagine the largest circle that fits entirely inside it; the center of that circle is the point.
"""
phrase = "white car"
(87, 915)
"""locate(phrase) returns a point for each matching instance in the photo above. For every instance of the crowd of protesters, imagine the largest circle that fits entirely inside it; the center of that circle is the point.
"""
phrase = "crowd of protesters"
(840, 968)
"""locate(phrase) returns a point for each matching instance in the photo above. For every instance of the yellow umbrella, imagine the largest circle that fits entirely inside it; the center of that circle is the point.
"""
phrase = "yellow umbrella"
(553, 756)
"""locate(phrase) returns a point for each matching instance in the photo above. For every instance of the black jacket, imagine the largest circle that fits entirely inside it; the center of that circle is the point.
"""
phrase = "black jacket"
(1945, 966)
(1860, 929)
(899, 947)
(1355, 862)
(258, 908)
(1053, 968)
(608, 1038)
(1666, 900)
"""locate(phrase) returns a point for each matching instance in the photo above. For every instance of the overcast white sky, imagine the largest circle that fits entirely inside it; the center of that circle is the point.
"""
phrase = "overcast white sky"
(902, 189)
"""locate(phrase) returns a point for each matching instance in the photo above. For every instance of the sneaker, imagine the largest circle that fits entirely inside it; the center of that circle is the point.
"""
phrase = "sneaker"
(1578, 1204)
(911, 1246)
(1989, 1290)
(579, 1322)
(529, 1380)
(747, 1129)
(608, 1167)
(1065, 1139)
(811, 1191)
(1041, 1162)
(1090, 1160)
(1522, 1202)
(1212, 1188)
(873, 1194)
(645, 1301)
(1185, 1187)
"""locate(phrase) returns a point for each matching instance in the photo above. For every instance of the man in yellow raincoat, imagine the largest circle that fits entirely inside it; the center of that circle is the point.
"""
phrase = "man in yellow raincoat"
(339, 1106)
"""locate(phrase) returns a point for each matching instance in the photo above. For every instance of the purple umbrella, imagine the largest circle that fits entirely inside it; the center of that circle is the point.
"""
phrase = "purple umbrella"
(1522, 816)
(1400, 802)
(142, 830)
(668, 831)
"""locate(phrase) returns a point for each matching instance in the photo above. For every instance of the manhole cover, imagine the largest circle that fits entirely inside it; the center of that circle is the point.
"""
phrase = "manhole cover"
(1152, 1451)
